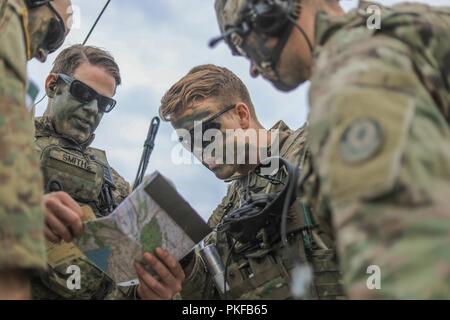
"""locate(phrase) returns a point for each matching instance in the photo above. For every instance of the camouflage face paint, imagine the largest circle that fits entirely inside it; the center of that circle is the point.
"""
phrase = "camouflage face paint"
(47, 31)
(187, 122)
(72, 118)
(38, 24)
(205, 149)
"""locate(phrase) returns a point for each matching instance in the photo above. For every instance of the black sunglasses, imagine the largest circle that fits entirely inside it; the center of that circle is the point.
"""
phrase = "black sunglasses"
(205, 126)
(85, 94)
(56, 32)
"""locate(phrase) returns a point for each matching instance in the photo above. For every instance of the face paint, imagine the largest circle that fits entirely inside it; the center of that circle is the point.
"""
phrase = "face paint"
(260, 31)
(85, 94)
(205, 125)
(187, 121)
(206, 139)
(265, 53)
(74, 119)
(38, 23)
(47, 31)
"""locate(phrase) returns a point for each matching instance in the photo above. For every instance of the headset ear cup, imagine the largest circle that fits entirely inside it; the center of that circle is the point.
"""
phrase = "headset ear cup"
(272, 18)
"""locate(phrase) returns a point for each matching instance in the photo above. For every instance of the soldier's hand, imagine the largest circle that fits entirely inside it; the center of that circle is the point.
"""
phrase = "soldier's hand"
(169, 271)
(63, 217)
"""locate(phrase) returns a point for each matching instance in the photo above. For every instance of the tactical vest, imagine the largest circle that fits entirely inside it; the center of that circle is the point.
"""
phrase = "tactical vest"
(86, 176)
(262, 269)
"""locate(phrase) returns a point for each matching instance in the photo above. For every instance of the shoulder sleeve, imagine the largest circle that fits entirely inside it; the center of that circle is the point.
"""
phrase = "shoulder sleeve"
(13, 48)
(382, 147)
(123, 188)
(21, 216)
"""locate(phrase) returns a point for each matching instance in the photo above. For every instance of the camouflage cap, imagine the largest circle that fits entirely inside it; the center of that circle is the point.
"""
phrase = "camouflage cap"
(228, 12)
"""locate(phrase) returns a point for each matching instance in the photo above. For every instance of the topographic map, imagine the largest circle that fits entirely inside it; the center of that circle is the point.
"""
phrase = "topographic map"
(154, 215)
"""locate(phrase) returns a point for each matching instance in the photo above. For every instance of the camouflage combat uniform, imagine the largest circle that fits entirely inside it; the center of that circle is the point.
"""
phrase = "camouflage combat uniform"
(264, 272)
(21, 218)
(84, 173)
(380, 139)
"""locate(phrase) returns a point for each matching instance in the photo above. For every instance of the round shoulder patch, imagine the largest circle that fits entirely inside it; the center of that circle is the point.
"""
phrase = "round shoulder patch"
(361, 140)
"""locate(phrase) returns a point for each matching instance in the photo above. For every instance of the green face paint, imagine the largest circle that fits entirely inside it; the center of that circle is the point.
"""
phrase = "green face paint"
(187, 122)
(38, 25)
(72, 118)
(47, 31)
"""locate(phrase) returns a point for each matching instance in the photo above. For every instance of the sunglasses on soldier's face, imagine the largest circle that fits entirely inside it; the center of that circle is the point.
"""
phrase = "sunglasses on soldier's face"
(204, 126)
(85, 94)
(56, 32)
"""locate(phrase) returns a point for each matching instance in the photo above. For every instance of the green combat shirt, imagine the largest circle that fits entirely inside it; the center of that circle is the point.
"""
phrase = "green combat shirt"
(80, 171)
(380, 140)
(21, 218)
(266, 273)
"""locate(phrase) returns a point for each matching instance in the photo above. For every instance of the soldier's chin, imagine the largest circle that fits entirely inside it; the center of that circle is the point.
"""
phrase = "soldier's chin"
(285, 87)
(223, 172)
(79, 136)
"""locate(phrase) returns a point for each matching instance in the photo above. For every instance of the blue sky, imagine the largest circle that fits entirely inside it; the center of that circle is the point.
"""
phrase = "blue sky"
(156, 42)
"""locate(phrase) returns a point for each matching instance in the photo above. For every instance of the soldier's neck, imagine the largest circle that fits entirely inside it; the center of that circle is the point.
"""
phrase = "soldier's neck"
(264, 141)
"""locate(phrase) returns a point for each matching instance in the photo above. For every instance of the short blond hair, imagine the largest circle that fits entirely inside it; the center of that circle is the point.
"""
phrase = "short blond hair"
(204, 82)
(72, 57)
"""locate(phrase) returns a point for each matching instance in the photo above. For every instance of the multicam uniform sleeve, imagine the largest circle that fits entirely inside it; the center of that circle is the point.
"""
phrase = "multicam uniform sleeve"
(382, 149)
(21, 217)
(123, 188)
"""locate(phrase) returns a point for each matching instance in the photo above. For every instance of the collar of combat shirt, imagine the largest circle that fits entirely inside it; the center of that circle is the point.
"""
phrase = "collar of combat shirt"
(45, 128)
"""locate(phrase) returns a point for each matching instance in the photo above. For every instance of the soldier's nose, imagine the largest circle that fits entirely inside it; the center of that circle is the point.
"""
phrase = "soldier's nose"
(254, 71)
(41, 55)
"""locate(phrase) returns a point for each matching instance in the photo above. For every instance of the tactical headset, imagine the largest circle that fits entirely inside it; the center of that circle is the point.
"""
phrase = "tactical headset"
(262, 211)
(268, 19)
(36, 3)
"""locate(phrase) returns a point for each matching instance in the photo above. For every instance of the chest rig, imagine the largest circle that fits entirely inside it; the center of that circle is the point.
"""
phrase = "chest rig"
(257, 263)
(260, 256)
(83, 173)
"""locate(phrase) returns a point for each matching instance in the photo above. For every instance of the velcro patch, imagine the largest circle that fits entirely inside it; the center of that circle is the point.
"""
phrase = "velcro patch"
(362, 155)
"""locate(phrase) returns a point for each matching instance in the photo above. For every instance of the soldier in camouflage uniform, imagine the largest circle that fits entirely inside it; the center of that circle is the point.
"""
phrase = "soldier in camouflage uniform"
(24, 33)
(378, 131)
(262, 271)
(80, 88)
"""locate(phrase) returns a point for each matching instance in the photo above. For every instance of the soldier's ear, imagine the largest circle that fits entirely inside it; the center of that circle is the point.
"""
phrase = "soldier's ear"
(243, 112)
(51, 85)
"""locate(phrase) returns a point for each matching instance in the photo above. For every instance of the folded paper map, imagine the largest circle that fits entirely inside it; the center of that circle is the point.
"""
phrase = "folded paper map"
(154, 215)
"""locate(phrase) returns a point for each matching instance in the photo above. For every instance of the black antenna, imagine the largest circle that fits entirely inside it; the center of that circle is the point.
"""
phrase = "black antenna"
(213, 42)
(148, 148)
(96, 21)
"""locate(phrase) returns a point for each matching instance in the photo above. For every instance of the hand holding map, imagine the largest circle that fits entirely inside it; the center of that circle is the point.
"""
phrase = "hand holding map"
(154, 215)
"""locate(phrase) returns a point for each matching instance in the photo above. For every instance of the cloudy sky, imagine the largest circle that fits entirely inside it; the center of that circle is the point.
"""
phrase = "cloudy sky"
(155, 43)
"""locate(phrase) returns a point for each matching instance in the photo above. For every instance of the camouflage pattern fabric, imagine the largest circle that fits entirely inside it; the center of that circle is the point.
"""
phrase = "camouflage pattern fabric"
(21, 217)
(73, 161)
(380, 139)
(271, 268)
